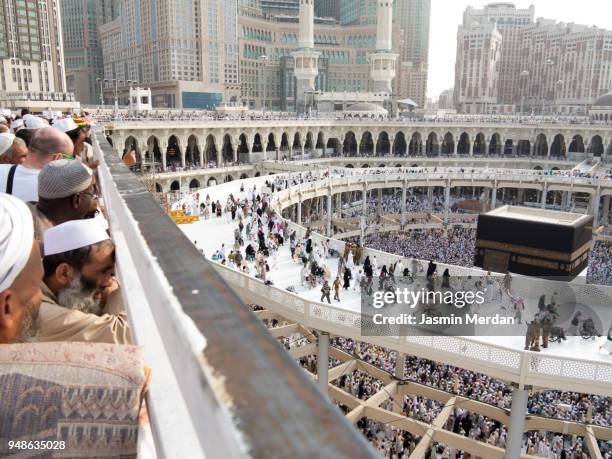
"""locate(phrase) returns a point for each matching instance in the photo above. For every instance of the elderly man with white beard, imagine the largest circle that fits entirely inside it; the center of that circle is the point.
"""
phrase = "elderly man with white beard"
(81, 300)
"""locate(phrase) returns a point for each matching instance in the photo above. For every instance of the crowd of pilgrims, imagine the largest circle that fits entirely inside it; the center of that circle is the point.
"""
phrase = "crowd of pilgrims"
(456, 246)
(391, 442)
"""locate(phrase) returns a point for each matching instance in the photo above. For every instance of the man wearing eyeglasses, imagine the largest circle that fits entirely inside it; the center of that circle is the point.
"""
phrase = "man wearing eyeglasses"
(47, 144)
(66, 191)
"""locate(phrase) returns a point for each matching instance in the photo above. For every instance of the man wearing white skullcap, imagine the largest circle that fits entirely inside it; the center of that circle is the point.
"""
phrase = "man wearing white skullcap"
(20, 272)
(66, 191)
(46, 145)
(81, 300)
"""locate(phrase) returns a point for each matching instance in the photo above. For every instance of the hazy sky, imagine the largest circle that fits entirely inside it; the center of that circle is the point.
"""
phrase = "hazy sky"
(446, 15)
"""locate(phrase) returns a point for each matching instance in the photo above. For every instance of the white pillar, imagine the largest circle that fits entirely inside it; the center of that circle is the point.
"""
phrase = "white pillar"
(299, 211)
(494, 196)
(403, 203)
(594, 205)
(517, 423)
(323, 362)
(606, 209)
(543, 196)
(329, 212)
(400, 363)
(430, 198)
(364, 201)
(446, 202)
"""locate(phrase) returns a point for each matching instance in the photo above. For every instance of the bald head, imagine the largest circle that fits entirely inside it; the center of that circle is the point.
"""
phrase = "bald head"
(4, 128)
(49, 141)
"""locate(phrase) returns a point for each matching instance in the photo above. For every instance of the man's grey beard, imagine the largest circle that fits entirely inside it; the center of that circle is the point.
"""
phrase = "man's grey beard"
(76, 297)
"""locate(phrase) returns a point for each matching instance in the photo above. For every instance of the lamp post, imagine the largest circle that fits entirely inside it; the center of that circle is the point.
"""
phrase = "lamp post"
(547, 63)
(102, 82)
(558, 84)
(116, 81)
(264, 60)
(523, 76)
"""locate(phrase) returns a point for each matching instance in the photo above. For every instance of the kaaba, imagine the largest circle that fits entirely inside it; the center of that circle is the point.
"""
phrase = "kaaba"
(533, 242)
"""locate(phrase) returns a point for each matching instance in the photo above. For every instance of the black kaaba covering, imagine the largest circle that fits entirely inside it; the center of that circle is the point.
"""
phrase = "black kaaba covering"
(534, 242)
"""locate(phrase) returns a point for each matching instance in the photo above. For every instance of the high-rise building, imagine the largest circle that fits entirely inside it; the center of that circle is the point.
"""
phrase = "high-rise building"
(186, 51)
(328, 9)
(357, 12)
(280, 7)
(32, 54)
(569, 66)
(510, 23)
(477, 67)
(543, 67)
(413, 17)
(445, 100)
(82, 51)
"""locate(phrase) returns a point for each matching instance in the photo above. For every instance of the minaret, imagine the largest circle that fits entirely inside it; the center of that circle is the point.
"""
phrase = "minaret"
(306, 59)
(382, 62)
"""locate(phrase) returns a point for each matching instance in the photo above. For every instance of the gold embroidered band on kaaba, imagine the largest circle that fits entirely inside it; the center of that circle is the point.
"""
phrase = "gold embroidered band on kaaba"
(534, 252)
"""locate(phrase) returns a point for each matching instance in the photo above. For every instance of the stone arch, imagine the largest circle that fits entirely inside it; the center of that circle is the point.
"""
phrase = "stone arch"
(227, 179)
(495, 146)
(284, 144)
(416, 144)
(271, 143)
(557, 148)
(448, 144)
(349, 147)
(243, 144)
(194, 184)
(541, 145)
(365, 166)
(132, 144)
(154, 150)
(212, 181)
(366, 146)
(577, 144)
(523, 148)
(596, 146)
(349, 166)
(244, 176)
(210, 151)
(257, 174)
(175, 186)
(537, 168)
(158, 188)
(463, 147)
(509, 147)
(320, 145)
(173, 152)
(383, 146)
(480, 144)
(399, 144)
(192, 152)
(309, 144)
(257, 144)
(432, 146)
(297, 141)
(227, 150)
(334, 144)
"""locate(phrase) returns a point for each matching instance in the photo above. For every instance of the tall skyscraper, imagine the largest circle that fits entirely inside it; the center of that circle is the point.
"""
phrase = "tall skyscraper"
(328, 9)
(280, 7)
(82, 50)
(357, 12)
(542, 67)
(477, 67)
(31, 51)
(510, 22)
(185, 51)
(413, 17)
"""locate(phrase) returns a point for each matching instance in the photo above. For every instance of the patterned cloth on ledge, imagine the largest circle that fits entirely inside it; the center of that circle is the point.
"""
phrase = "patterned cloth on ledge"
(87, 395)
